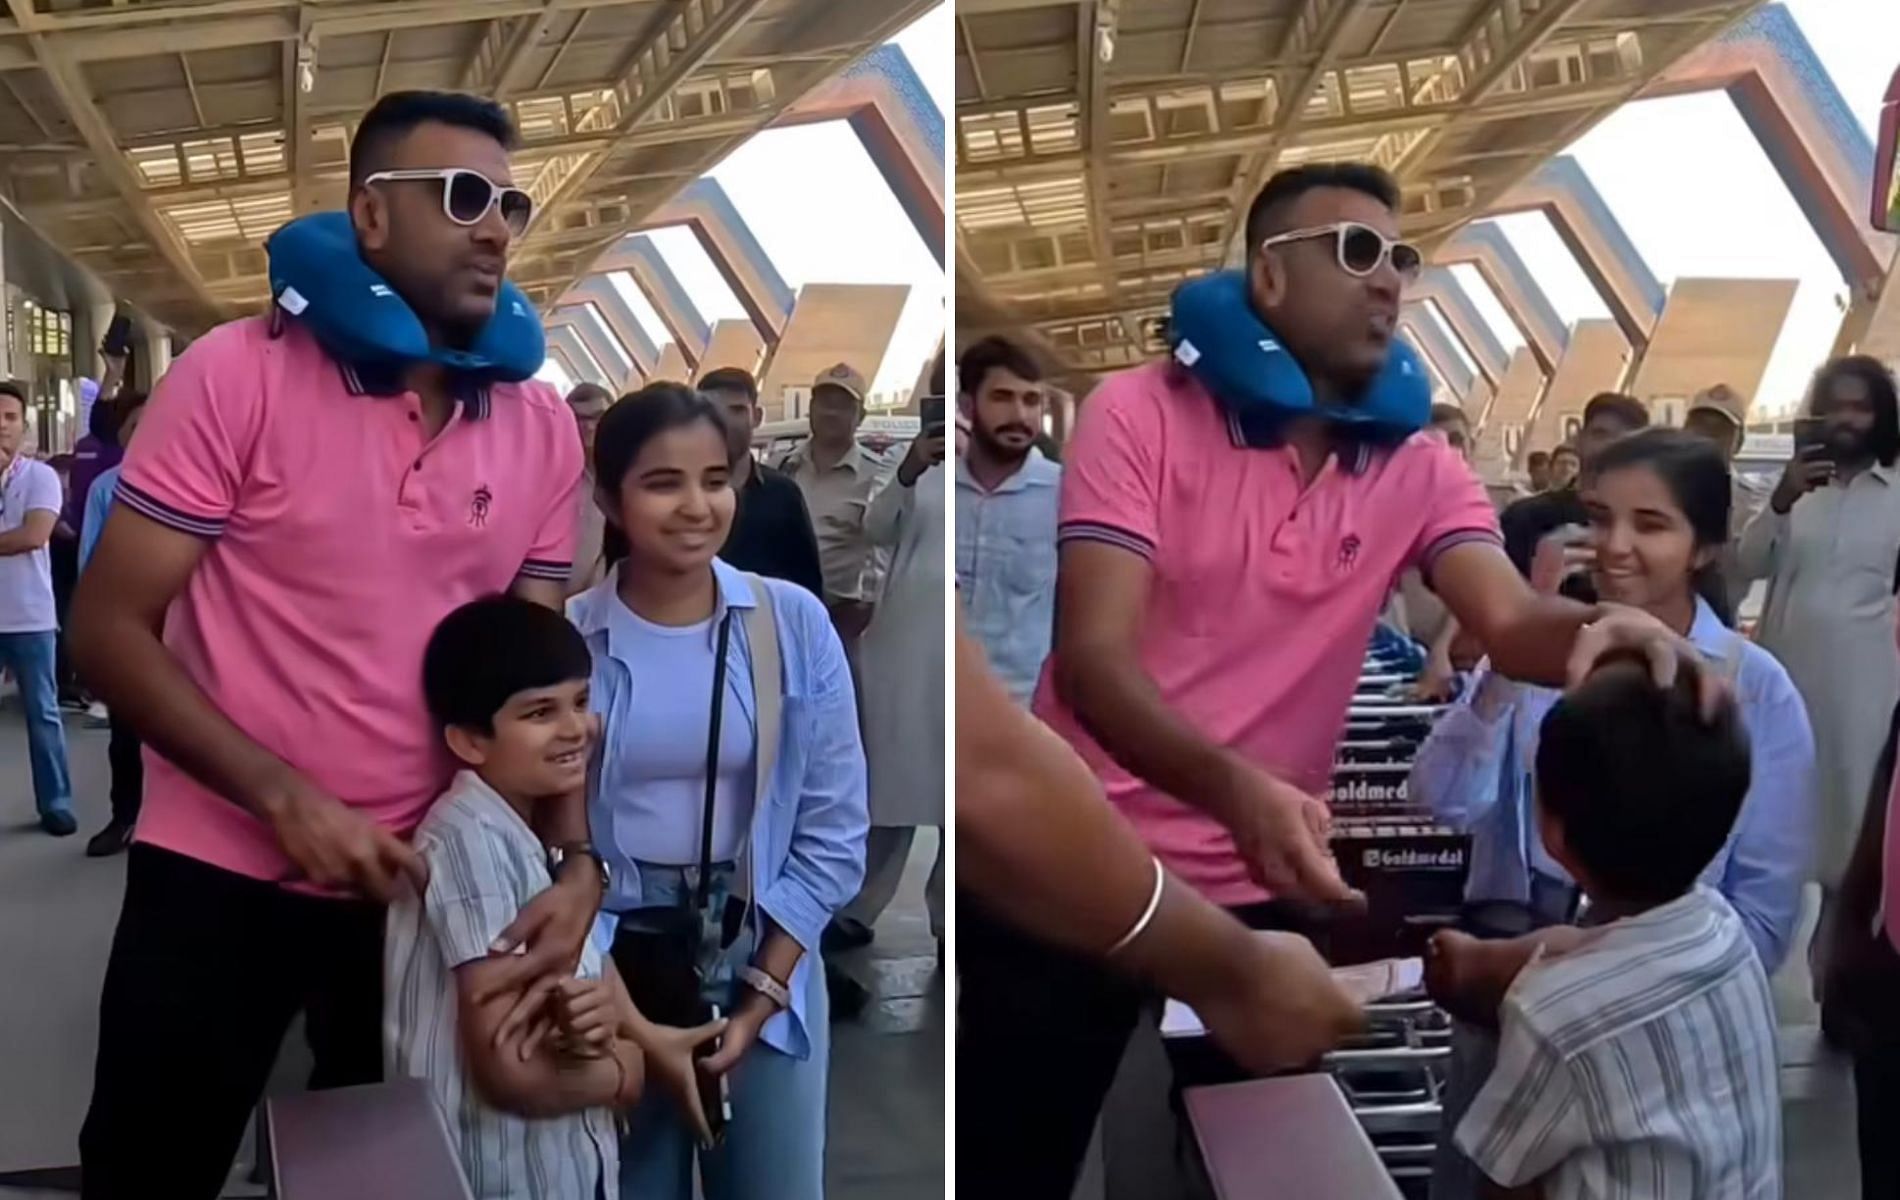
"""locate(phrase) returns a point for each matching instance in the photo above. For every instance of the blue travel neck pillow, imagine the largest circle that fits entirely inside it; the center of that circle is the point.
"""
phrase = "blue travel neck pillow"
(1217, 336)
(318, 276)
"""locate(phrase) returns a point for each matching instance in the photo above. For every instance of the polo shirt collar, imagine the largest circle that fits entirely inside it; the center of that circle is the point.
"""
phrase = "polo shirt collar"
(1036, 471)
(384, 380)
(1354, 455)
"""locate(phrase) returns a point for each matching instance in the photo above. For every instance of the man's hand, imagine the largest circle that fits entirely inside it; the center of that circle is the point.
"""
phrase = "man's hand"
(334, 846)
(1437, 683)
(671, 1061)
(852, 617)
(1561, 554)
(1282, 834)
(554, 928)
(1280, 1008)
(925, 452)
(741, 1032)
(1617, 628)
(1808, 470)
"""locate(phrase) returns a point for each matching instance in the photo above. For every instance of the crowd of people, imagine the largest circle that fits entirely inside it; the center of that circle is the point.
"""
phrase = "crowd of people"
(543, 762)
(1185, 605)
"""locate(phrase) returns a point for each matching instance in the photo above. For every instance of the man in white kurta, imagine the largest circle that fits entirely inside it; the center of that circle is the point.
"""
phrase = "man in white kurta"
(1828, 542)
(901, 660)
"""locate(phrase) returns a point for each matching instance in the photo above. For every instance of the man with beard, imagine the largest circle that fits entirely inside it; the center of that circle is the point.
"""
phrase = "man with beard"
(1214, 598)
(1827, 542)
(1006, 513)
(289, 529)
(771, 528)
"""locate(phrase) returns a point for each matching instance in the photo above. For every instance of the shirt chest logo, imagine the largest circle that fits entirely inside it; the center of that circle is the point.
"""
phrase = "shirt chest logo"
(478, 506)
(1348, 552)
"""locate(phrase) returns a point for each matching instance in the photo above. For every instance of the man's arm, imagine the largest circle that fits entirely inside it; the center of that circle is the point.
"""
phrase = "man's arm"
(1028, 809)
(539, 1083)
(1528, 635)
(33, 534)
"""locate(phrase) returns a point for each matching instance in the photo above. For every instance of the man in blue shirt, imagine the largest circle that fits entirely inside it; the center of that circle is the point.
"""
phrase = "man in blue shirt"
(1007, 493)
(123, 751)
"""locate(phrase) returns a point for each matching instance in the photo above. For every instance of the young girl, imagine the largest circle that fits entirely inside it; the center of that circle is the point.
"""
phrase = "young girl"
(1658, 503)
(784, 855)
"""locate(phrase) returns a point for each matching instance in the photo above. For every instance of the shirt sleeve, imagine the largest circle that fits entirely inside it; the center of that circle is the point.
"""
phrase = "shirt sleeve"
(1526, 1120)
(43, 493)
(98, 504)
(552, 555)
(186, 468)
(467, 902)
(1774, 833)
(1457, 510)
(1111, 477)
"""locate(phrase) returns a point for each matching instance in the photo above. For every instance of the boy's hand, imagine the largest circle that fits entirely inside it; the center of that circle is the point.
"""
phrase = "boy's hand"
(1468, 978)
(584, 1010)
(554, 928)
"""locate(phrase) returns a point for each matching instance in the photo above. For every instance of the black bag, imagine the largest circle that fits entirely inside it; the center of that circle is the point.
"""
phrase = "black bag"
(658, 950)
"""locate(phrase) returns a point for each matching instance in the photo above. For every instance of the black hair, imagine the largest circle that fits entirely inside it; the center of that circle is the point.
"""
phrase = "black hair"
(1885, 439)
(1565, 448)
(123, 406)
(583, 392)
(1625, 410)
(398, 113)
(1268, 211)
(18, 391)
(1537, 458)
(1698, 479)
(1441, 413)
(494, 648)
(985, 355)
(730, 379)
(634, 420)
(103, 421)
(1645, 788)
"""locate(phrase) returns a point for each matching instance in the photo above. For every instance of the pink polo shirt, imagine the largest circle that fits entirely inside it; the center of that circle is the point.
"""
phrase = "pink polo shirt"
(1264, 593)
(339, 535)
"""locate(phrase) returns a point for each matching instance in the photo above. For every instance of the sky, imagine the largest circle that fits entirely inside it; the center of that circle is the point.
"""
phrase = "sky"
(815, 201)
(1698, 197)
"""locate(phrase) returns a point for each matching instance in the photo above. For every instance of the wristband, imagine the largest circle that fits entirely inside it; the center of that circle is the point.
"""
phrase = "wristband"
(1147, 914)
(766, 986)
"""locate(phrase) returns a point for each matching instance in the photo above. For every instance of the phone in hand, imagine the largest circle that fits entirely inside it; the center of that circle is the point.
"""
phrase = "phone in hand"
(1810, 439)
(932, 411)
(715, 1093)
(118, 337)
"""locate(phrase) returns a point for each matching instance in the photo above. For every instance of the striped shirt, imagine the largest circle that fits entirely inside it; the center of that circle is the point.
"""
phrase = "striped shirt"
(1642, 1065)
(484, 864)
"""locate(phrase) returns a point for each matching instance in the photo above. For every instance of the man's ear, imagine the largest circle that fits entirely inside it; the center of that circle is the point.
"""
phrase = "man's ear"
(758, 416)
(470, 748)
(369, 214)
(1266, 280)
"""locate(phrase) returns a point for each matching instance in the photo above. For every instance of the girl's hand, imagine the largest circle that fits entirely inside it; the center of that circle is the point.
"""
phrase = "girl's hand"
(741, 1032)
(670, 1062)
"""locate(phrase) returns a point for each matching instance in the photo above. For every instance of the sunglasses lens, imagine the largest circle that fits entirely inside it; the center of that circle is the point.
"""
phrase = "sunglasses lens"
(517, 208)
(1406, 259)
(469, 197)
(1360, 249)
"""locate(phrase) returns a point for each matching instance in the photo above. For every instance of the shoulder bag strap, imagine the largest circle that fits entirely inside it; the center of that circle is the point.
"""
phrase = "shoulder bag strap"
(702, 892)
(768, 688)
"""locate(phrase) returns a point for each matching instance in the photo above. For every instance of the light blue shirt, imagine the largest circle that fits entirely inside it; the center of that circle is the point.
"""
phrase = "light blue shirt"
(806, 841)
(98, 504)
(1474, 773)
(1006, 567)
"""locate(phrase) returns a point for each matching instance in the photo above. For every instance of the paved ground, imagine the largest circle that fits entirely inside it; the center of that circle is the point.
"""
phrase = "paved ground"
(57, 910)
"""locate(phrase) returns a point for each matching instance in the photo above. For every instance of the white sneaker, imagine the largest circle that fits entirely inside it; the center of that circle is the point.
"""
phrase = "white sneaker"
(96, 715)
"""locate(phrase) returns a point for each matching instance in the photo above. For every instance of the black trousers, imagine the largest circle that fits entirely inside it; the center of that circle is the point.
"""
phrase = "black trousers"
(1040, 1036)
(125, 754)
(1877, 1100)
(63, 557)
(207, 970)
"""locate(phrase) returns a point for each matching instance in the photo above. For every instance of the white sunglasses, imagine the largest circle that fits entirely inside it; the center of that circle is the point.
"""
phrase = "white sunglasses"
(468, 195)
(1360, 248)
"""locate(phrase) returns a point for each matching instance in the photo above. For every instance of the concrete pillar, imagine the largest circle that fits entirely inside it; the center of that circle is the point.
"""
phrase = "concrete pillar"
(6, 316)
(158, 355)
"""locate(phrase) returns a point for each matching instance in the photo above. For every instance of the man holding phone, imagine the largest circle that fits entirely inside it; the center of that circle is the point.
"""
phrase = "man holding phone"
(902, 665)
(1828, 542)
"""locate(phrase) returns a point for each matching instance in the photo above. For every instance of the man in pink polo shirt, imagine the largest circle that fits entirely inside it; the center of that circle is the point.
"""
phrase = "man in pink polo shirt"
(287, 532)
(1214, 602)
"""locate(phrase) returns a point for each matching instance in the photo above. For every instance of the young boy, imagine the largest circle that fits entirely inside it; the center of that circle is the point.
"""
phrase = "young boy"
(1636, 1058)
(532, 1116)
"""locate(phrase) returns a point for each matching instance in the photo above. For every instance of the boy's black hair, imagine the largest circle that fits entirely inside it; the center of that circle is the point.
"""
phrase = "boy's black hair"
(491, 649)
(397, 113)
(1646, 790)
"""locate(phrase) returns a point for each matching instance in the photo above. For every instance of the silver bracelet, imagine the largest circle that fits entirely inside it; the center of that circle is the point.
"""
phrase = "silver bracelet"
(1147, 914)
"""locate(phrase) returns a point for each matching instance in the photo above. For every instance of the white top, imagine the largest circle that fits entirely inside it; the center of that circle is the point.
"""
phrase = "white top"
(900, 659)
(484, 865)
(26, 580)
(1642, 1065)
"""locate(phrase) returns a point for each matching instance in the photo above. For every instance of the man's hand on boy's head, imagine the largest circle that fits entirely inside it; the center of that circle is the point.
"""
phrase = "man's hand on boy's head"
(1616, 629)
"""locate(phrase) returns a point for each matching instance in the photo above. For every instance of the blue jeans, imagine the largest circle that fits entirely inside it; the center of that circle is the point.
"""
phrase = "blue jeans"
(774, 1147)
(31, 656)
